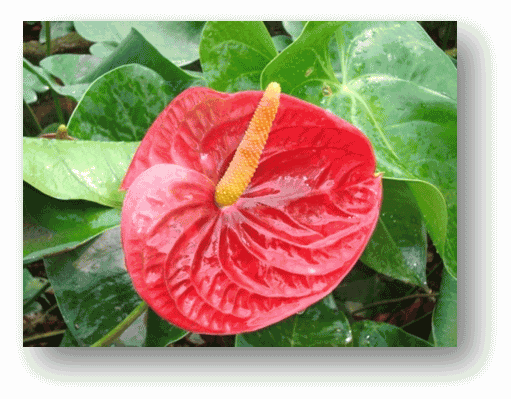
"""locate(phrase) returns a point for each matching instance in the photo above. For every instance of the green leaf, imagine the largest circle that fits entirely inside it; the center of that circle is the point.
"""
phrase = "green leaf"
(178, 41)
(93, 290)
(160, 333)
(309, 66)
(233, 54)
(294, 28)
(74, 91)
(399, 243)
(445, 314)
(319, 325)
(86, 170)
(70, 68)
(360, 287)
(281, 42)
(135, 49)
(390, 80)
(120, 106)
(368, 333)
(32, 84)
(102, 49)
(51, 225)
(68, 341)
(57, 29)
(31, 287)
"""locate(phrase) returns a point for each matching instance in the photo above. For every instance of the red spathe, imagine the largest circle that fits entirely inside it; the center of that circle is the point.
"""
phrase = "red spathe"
(288, 241)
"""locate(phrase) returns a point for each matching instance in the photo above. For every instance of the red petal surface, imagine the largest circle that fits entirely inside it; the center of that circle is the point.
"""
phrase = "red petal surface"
(295, 233)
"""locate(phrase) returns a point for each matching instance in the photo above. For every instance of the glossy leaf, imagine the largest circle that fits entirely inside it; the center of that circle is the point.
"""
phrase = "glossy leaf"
(286, 243)
(444, 331)
(51, 225)
(135, 49)
(160, 332)
(398, 245)
(233, 54)
(281, 42)
(70, 68)
(178, 41)
(120, 105)
(85, 170)
(92, 288)
(320, 325)
(102, 49)
(294, 28)
(372, 334)
(399, 88)
(32, 85)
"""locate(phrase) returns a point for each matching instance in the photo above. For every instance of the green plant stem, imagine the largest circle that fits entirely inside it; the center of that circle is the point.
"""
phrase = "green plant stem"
(32, 119)
(121, 327)
(37, 295)
(416, 320)
(56, 100)
(390, 301)
(48, 38)
(42, 336)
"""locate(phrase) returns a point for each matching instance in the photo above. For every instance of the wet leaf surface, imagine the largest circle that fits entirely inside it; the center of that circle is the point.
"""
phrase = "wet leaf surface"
(398, 245)
(133, 95)
(92, 288)
(445, 331)
(320, 325)
(87, 170)
(371, 334)
(51, 225)
(233, 54)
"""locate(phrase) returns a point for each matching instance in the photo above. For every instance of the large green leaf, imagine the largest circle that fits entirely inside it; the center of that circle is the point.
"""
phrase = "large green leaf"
(88, 170)
(390, 80)
(92, 287)
(398, 245)
(178, 41)
(444, 325)
(70, 68)
(135, 49)
(51, 225)
(120, 106)
(319, 325)
(372, 334)
(233, 54)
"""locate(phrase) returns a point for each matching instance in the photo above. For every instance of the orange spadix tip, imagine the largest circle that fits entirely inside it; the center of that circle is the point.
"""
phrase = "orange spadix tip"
(246, 159)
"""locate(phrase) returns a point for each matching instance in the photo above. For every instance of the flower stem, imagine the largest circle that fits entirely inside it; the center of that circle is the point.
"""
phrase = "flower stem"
(117, 331)
(31, 120)
(48, 38)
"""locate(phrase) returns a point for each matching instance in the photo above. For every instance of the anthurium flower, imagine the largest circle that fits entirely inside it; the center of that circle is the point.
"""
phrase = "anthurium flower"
(221, 247)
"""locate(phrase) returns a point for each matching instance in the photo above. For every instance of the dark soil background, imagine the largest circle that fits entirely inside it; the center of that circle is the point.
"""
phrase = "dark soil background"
(47, 327)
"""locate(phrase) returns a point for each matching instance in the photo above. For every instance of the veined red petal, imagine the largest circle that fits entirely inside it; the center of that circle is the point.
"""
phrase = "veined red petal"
(288, 241)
